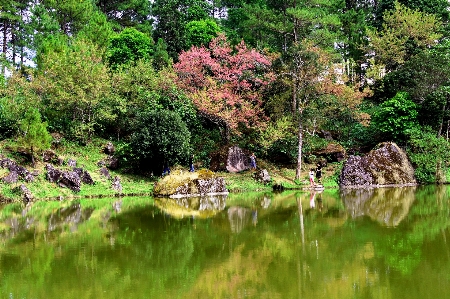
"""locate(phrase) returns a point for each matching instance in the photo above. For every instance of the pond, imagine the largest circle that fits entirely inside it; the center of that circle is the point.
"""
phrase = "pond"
(379, 243)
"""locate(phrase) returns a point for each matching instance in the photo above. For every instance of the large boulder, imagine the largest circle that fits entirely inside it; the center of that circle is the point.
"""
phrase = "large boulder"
(199, 183)
(387, 164)
(232, 159)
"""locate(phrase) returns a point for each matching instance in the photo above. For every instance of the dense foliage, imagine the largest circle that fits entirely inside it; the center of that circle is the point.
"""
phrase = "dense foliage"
(272, 76)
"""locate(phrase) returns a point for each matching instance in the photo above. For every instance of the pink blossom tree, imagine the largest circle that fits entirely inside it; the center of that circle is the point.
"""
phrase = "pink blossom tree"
(226, 84)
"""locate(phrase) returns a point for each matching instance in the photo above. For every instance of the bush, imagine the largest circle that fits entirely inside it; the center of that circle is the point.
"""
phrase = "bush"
(395, 117)
(429, 155)
(159, 136)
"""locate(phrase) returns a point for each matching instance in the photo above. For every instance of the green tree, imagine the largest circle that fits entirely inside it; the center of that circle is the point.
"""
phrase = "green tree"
(128, 47)
(429, 154)
(404, 33)
(159, 136)
(171, 19)
(426, 77)
(75, 89)
(161, 57)
(200, 33)
(34, 136)
(396, 117)
(127, 13)
(71, 15)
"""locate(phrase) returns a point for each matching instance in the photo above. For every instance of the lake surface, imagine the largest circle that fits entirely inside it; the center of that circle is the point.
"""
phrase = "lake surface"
(380, 243)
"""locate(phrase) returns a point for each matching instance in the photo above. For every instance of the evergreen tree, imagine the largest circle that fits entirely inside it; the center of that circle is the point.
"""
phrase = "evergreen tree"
(35, 136)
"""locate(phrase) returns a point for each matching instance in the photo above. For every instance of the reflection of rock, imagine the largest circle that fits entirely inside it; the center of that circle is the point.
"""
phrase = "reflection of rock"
(386, 165)
(199, 207)
(385, 205)
(71, 216)
(239, 217)
(265, 202)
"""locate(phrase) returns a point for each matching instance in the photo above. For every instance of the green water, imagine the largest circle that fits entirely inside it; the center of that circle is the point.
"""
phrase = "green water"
(384, 243)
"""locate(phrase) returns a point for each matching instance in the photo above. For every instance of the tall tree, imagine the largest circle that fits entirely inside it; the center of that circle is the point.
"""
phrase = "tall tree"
(404, 33)
(128, 47)
(75, 89)
(127, 13)
(171, 17)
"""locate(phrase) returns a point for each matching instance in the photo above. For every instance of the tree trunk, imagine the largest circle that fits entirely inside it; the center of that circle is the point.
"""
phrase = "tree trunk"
(442, 120)
(300, 144)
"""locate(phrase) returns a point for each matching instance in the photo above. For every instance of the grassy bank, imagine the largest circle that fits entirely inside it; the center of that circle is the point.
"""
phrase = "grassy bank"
(87, 157)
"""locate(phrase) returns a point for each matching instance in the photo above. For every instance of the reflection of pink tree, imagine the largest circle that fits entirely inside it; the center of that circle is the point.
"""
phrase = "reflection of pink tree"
(226, 84)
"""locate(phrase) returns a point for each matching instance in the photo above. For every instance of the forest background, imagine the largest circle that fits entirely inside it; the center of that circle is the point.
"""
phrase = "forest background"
(165, 79)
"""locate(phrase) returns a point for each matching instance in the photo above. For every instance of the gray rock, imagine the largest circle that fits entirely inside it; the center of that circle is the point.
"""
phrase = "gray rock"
(109, 149)
(237, 160)
(262, 176)
(71, 180)
(11, 178)
(116, 185)
(387, 164)
(72, 163)
(105, 172)
(53, 174)
(84, 176)
(27, 196)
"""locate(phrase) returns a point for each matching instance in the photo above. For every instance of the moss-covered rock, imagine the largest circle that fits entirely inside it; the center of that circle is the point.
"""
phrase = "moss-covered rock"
(197, 183)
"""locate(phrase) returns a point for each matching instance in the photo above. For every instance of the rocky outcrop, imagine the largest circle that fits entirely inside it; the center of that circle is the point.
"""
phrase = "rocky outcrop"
(333, 152)
(84, 175)
(232, 159)
(68, 179)
(71, 180)
(198, 183)
(16, 172)
(387, 164)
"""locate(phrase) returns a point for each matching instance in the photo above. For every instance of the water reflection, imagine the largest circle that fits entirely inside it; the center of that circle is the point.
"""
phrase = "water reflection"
(243, 246)
(388, 206)
(198, 206)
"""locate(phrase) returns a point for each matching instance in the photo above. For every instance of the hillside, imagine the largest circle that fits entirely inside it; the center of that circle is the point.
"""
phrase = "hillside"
(88, 157)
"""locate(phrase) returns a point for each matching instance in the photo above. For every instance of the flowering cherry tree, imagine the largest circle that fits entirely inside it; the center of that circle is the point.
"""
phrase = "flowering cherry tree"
(226, 84)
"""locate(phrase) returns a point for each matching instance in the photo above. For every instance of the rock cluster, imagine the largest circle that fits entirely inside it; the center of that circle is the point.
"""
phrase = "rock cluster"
(16, 172)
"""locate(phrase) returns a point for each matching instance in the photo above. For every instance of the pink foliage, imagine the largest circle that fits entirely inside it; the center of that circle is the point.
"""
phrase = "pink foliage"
(225, 82)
